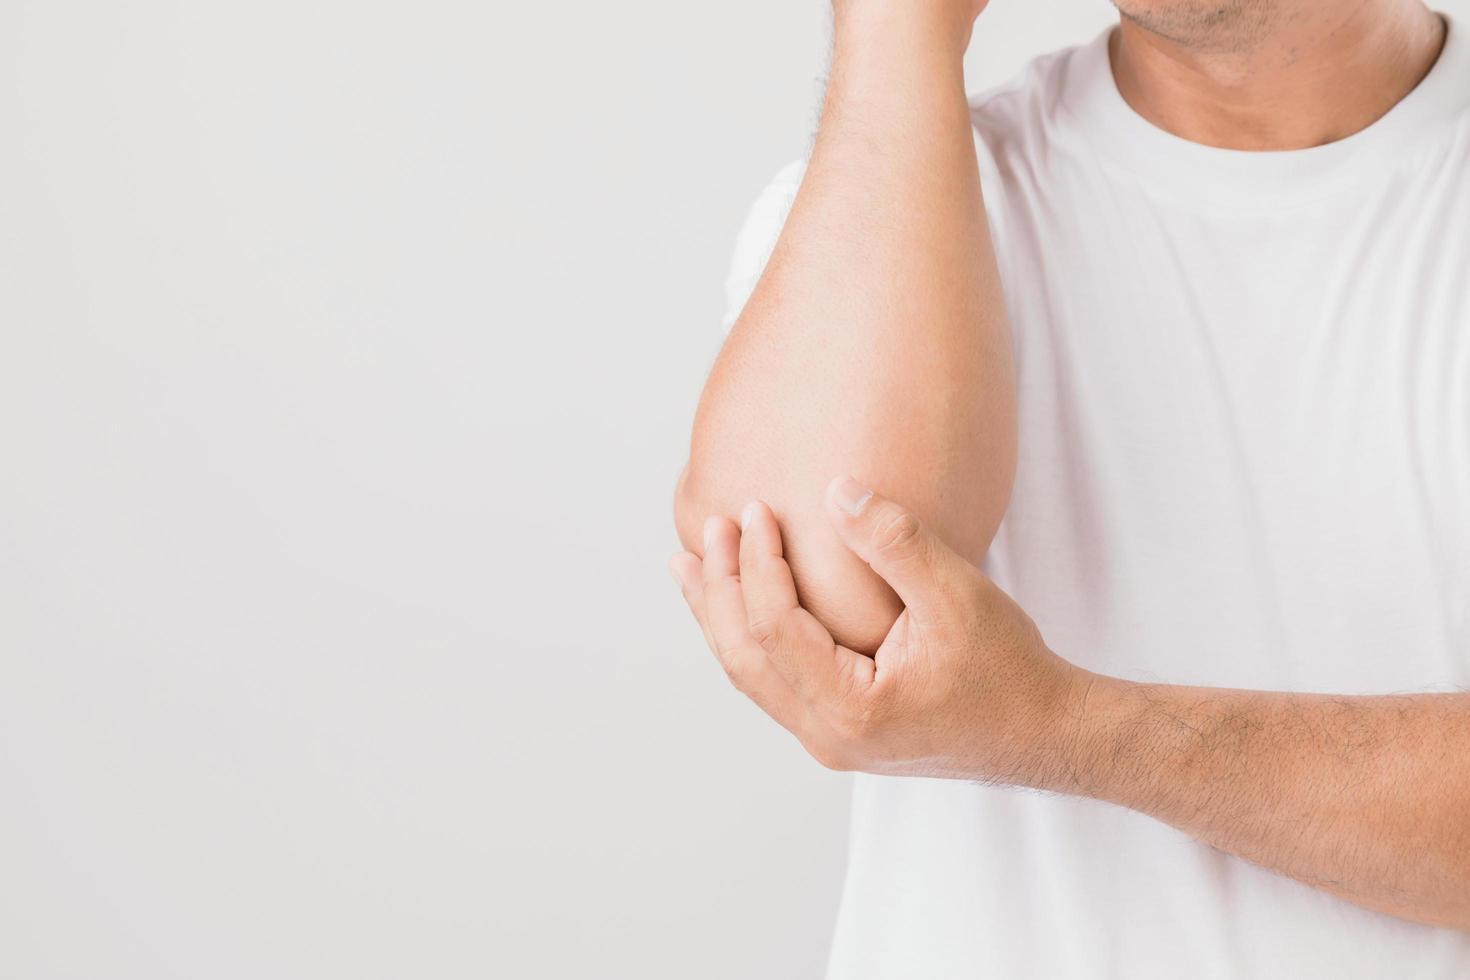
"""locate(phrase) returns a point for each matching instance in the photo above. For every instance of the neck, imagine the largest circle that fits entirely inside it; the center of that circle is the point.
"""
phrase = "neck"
(1298, 78)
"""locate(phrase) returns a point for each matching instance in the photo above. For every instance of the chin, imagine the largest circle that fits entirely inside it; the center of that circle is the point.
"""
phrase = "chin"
(1214, 25)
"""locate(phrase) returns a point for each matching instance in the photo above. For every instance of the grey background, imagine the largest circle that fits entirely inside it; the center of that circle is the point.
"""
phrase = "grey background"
(347, 358)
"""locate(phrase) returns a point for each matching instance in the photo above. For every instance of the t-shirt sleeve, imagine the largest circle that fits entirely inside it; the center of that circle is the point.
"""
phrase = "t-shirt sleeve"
(757, 238)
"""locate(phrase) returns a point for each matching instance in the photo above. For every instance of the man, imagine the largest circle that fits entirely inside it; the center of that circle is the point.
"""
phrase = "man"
(1203, 412)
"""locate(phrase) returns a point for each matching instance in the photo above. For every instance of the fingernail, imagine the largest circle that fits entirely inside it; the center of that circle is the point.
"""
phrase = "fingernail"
(851, 495)
(674, 573)
(746, 515)
(709, 532)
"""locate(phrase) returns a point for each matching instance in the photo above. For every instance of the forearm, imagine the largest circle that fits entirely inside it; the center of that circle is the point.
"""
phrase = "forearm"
(876, 341)
(1365, 797)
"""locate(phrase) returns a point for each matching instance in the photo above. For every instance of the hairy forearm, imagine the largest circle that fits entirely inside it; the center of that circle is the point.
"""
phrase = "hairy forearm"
(876, 341)
(1365, 797)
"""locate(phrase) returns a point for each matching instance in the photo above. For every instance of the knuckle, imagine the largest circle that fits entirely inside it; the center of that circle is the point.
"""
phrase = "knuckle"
(776, 633)
(765, 628)
(897, 532)
(755, 560)
(726, 588)
(774, 630)
(794, 629)
(737, 669)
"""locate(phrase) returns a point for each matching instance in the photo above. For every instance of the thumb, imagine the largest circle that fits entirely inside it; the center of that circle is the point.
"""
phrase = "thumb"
(891, 539)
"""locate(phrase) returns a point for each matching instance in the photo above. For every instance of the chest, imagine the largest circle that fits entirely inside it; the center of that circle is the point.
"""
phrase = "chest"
(1267, 413)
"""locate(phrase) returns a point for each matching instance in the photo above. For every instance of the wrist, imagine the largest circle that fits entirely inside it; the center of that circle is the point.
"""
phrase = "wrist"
(920, 27)
(1094, 739)
(1059, 748)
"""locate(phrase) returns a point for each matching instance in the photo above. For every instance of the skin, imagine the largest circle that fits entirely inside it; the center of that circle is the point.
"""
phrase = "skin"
(1270, 74)
(1366, 797)
(882, 291)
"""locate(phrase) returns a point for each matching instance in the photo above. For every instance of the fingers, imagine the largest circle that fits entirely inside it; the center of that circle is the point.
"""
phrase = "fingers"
(891, 539)
(713, 590)
(689, 573)
(770, 593)
(724, 601)
(800, 647)
(774, 651)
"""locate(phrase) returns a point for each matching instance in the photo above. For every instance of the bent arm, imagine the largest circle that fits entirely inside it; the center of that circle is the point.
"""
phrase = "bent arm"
(876, 341)
(1366, 797)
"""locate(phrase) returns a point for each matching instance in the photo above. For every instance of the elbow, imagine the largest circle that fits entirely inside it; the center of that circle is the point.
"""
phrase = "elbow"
(689, 515)
(834, 585)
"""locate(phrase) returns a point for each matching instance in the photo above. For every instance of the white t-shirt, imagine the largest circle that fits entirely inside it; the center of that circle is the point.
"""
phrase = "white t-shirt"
(1244, 397)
